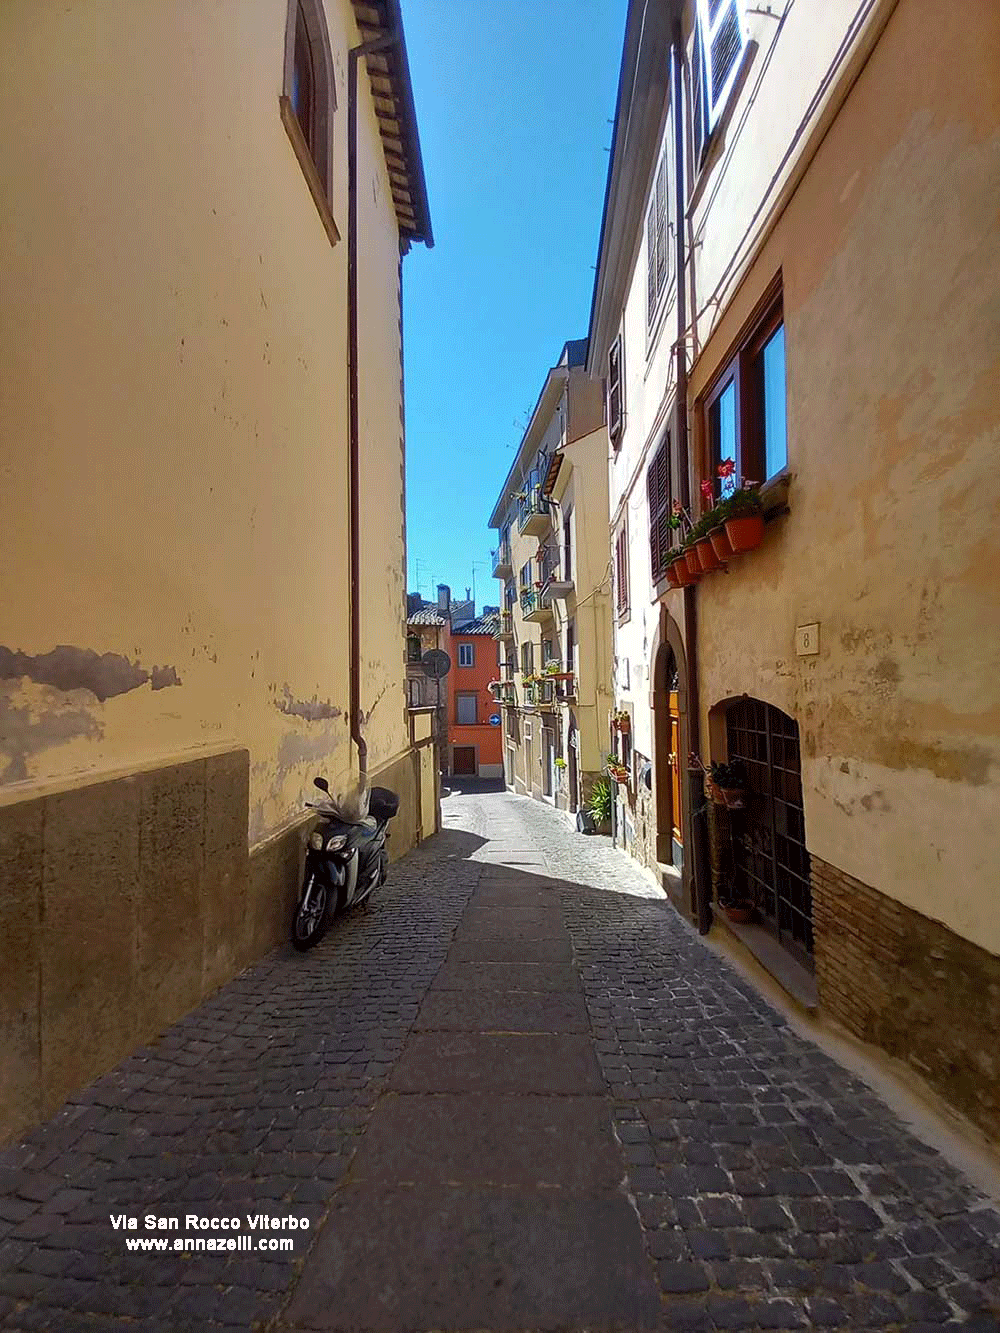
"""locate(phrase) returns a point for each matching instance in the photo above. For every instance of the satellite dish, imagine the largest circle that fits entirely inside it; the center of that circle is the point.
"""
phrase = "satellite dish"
(436, 663)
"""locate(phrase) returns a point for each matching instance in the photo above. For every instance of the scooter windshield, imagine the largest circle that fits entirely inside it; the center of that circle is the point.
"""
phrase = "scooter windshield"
(349, 806)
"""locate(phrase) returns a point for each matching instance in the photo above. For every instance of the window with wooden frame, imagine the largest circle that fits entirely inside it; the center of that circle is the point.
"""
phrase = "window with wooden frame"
(308, 101)
(466, 655)
(621, 571)
(616, 393)
(657, 243)
(527, 659)
(720, 39)
(659, 501)
(745, 408)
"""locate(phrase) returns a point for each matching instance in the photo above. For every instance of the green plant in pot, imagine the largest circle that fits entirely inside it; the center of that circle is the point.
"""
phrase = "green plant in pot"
(602, 797)
(743, 517)
(727, 784)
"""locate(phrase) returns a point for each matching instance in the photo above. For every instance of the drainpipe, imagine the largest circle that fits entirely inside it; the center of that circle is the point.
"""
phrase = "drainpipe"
(698, 831)
(354, 55)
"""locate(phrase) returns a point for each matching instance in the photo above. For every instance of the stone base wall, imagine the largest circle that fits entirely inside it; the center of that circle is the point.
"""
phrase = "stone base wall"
(125, 902)
(122, 903)
(911, 986)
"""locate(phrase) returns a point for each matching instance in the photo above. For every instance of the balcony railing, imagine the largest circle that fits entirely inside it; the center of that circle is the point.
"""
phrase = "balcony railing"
(532, 605)
(534, 512)
(502, 568)
(538, 693)
(505, 630)
(503, 691)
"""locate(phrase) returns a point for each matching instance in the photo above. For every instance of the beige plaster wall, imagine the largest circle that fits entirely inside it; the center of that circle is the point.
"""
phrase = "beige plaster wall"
(890, 256)
(175, 414)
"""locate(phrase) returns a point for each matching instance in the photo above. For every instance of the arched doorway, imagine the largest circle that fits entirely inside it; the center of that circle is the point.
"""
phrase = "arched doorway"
(770, 859)
(669, 700)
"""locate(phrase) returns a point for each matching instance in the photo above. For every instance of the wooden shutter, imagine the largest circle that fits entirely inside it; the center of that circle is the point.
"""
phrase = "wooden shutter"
(615, 397)
(719, 41)
(651, 262)
(621, 570)
(698, 110)
(662, 265)
(658, 499)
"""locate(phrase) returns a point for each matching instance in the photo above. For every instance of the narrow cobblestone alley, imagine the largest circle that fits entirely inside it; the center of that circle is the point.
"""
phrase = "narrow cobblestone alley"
(517, 1093)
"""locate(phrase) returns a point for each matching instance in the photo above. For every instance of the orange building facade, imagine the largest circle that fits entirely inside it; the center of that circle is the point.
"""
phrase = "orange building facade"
(474, 740)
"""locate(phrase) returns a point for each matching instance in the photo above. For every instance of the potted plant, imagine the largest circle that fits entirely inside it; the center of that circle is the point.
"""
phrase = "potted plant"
(718, 538)
(744, 519)
(738, 910)
(621, 721)
(602, 797)
(694, 568)
(727, 784)
(617, 772)
(678, 567)
(707, 555)
(560, 764)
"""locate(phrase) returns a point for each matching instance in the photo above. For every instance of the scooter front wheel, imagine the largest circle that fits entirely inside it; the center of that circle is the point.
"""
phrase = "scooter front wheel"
(310, 917)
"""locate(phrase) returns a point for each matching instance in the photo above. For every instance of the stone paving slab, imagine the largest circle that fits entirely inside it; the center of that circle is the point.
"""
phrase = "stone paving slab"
(514, 923)
(442, 1258)
(500, 1011)
(495, 949)
(544, 978)
(488, 1062)
(557, 1142)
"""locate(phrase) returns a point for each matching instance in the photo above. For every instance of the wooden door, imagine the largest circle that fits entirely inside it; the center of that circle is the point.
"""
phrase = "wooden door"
(463, 760)
(675, 769)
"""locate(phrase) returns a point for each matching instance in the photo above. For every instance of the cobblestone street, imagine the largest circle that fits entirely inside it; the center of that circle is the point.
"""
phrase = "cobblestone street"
(516, 1093)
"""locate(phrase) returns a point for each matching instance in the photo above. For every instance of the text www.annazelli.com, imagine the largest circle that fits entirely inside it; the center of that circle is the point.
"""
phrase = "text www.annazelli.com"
(207, 1244)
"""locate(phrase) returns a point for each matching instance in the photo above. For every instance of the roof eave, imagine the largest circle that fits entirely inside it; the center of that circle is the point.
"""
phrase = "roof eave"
(639, 117)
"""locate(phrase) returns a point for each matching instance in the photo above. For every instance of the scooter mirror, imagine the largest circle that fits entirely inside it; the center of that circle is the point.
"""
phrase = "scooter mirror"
(321, 783)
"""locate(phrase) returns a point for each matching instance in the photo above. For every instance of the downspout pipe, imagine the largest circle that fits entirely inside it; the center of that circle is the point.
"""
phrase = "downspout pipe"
(354, 55)
(699, 867)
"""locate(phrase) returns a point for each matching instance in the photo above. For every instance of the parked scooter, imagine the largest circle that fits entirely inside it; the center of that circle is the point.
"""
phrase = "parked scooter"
(346, 860)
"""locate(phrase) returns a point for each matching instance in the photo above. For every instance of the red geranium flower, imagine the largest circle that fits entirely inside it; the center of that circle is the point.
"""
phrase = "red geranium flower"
(678, 509)
(706, 489)
(727, 468)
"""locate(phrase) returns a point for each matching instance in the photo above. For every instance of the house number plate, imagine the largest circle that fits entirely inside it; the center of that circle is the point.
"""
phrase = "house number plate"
(806, 640)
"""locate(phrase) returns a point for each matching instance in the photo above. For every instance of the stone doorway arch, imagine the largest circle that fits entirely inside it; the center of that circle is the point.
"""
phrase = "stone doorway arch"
(669, 706)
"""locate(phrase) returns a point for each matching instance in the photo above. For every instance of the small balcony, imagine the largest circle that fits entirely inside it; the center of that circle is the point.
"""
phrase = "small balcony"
(556, 589)
(532, 607)
(534, 512)
(562, 680)
(503, 691)
(500, 560)
(506, 627)
(538, 693)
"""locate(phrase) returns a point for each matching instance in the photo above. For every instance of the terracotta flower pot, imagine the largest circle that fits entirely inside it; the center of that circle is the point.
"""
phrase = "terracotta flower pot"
(709, 560)
(720, 543)
(693, 563)
(730, 797)
(745, 533)
(684, 575)
(673, 578)
(740, 913)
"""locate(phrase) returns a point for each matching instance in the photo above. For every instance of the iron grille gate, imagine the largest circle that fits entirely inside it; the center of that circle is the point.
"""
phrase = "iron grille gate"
(771, 862)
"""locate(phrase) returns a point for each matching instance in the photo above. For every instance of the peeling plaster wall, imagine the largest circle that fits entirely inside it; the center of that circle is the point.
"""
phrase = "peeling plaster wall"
(890, 254)
(174, 464)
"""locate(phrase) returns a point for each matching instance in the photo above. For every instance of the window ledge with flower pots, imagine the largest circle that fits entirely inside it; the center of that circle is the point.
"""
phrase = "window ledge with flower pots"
(732, 527)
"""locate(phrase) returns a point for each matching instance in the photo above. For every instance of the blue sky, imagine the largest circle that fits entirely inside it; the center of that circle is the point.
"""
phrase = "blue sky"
(514, 100)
